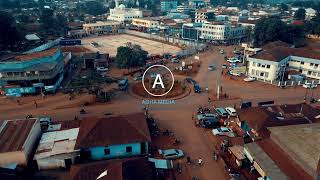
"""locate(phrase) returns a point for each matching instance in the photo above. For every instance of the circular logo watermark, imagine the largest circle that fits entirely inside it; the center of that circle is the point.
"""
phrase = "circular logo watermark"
(158, 80)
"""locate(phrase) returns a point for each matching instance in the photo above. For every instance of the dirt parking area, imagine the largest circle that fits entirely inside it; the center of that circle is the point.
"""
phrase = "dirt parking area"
(109, 44)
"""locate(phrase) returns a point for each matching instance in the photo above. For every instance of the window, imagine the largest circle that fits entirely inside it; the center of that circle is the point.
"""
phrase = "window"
(263, 65)
(266, 74)
(311, 64)
(259, 64)
(128, 149)
(268, 66)
(106, 151)
(309, 72)
(262, 74)
(254, 64)
(302, 63)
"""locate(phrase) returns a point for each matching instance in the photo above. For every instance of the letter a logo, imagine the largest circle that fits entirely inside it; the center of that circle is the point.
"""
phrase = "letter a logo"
(158, 81)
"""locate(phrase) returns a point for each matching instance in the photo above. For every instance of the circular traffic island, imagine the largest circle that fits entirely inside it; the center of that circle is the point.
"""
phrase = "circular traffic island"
(178, 91)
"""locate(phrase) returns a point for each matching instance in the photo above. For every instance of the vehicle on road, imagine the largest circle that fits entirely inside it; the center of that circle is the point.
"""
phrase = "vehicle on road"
(222, 112)
(190, 80)
(234, 73)
(223, 131)
(137, 78)
(249, 79)
(231, 111)
(102, 69)
(224, 66)
(171, 153)
(175, 60)
(123, 84)
(221, 51)
(234, 60)
(197, 88)
(308, 85)
(211, 67)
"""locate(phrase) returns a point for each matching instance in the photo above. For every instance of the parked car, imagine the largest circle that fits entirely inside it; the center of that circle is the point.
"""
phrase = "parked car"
(211, 67)
(137, 78)
(102, 69)
(224, 66)
(190, 80)
(175, 60)
(233, 73)
(221, 51)
(222, 112)
(245, 104)
(308, 85)
(231, 111)
(249, 79)
(223, 131)
(234, 60)
(197, 88)
(171, 153)
(210, 123)
(207, 116)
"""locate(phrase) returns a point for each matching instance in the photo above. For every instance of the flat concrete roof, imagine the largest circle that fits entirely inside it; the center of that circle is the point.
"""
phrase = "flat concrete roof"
(301, 143)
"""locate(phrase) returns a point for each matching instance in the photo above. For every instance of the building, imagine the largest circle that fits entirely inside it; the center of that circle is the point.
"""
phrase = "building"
(95, 60)
(310, 13)
(128, 169)
(123, 136)
(34, 72)
(56, 149)
(270, 64)
(204, 15)
(185, 9)
(18, 139)
(147, 22)
(299, 143)
(248, 23)
(191, 31)
(265, 166)
(102, 27)
(197, 3)
(168, 5)
(256, 120)
(222, 32)
(122, 14)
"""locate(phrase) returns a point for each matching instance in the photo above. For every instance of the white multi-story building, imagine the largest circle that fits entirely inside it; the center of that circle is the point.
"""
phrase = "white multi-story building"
(270, 65)
(219, 31)
(122, 14)
(204, 15)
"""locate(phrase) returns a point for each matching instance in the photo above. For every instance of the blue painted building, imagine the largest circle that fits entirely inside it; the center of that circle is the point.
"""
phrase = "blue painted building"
(114, 137)
(32, 73)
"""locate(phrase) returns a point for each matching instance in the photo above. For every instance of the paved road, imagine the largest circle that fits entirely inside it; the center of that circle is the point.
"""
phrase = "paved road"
(176, 117)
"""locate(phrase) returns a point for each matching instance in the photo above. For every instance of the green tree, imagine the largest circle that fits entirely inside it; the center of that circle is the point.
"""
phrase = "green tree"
(46, 18)
(300, 14)
(9, 34)
(94, 8)
(130, 56)
(284, 7)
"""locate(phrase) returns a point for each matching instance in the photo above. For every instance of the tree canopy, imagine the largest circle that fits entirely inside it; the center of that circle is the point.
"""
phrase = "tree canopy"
(270, 29)
(94, 8)
(130, 56)
(9, 34)
(300, 14)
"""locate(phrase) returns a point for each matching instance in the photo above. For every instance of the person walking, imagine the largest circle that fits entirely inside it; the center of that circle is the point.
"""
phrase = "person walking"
(35, 104)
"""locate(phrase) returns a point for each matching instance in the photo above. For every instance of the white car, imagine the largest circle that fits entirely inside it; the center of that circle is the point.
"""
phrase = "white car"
(211, 67)
(102, 69)
(309, 85)
(231, 111)
(233, 60)
(171, 153)
(223, 131)
(235, 73)
(249, 79)
(221, 51)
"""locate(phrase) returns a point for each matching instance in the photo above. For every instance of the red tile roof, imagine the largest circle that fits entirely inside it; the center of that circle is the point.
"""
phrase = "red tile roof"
(259, 118)
(278, 51)
(113, 130)
(129, 169)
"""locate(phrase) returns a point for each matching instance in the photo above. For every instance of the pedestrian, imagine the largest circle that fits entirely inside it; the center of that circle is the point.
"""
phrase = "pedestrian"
(18, 101)
(200, 161)
(209, 99)
(43, 96)
(35, 103)
(189, 160)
